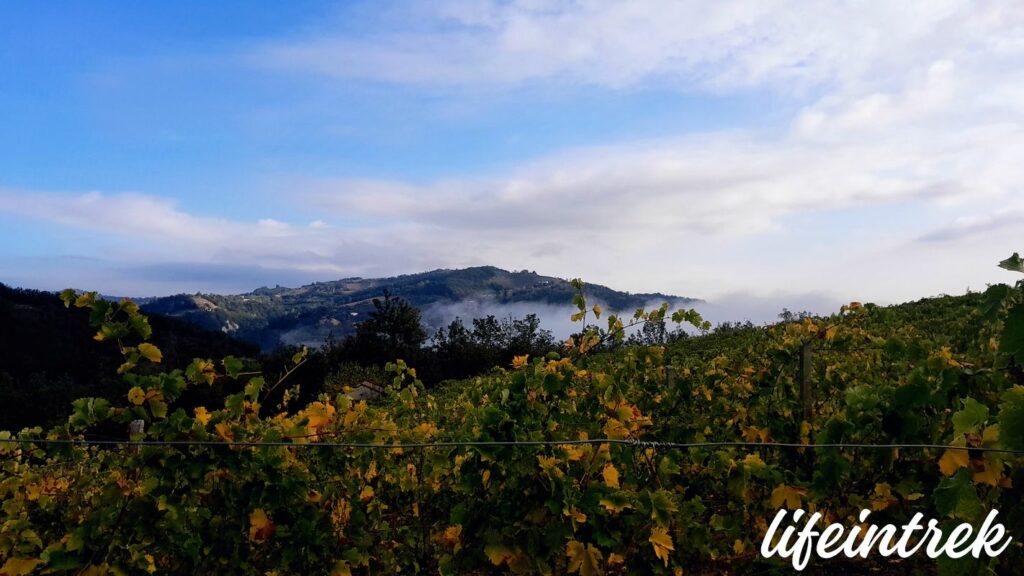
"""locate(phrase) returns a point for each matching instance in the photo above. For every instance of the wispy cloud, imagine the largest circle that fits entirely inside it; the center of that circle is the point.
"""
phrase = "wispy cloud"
(975, 226)
(717, 46)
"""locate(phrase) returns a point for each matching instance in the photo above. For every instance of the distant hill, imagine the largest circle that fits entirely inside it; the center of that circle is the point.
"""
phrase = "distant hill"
(271, 317)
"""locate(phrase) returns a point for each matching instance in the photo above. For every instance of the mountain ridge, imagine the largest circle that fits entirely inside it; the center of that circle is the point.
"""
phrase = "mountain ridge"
(310, 313)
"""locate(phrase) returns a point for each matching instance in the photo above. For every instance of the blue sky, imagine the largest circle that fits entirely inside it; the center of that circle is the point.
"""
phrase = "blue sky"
(705, 150)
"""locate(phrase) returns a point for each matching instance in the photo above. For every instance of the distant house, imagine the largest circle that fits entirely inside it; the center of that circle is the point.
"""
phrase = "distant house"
(365, 391)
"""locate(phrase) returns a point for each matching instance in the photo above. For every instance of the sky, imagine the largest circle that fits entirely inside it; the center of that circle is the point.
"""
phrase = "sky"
(827, 151)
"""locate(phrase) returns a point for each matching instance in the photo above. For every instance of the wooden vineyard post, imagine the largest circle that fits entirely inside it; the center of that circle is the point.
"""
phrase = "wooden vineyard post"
(806, 390)
(807, 401)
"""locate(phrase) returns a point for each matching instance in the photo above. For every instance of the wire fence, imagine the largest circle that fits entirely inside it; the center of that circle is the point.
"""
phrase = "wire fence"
(643, 444)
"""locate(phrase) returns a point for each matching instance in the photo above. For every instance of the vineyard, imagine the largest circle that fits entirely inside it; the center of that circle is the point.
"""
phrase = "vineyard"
(595, 460)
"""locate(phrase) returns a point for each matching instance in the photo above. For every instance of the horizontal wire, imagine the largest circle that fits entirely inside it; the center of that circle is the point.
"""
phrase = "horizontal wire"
(492, 443)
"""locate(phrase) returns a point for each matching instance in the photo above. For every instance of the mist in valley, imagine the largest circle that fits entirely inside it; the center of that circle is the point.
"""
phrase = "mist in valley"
(730, 308)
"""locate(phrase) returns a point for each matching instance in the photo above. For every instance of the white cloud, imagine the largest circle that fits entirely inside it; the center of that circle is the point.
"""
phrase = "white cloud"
(149, 230)
(128, 214)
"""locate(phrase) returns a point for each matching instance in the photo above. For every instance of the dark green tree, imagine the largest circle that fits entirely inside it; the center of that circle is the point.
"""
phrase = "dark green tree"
(393, 330)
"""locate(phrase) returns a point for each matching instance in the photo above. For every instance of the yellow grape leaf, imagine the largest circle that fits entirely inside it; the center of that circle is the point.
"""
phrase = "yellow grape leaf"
(953, 460)
(753, 461)
(319, 415)
(520, 361)
(549, 464)
(788, 495)
(452, 535)
(575, 515)
(260, 525)
(616, 559)
(150, 352)
(341, 513)
(573, 453)
(33, 491)
(206, 371)
(19, 566)
(611, 476)
(882, 497)
(341, 568)
(755, 434)
(589, 341)
(224, 431)
(136, 396)
(202, 415)
(426, 428)
(661, 541)
(597, 310)
(485, 478)
(986, 471)
(499, 554)
(584, 560)
(615, 429)
(366, 493)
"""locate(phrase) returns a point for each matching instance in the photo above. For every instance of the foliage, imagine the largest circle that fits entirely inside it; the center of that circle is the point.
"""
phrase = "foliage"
(925, 374)
(460, 352)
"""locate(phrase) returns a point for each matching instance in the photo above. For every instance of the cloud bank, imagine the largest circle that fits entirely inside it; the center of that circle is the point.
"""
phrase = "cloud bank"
(897, 175)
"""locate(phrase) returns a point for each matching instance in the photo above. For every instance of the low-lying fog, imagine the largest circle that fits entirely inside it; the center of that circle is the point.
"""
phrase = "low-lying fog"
(729, 308)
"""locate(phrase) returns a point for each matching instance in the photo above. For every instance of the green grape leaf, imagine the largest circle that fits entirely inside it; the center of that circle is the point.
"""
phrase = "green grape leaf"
(232, 366)
(994, 297)
(235, 404)
(140, 324)
(970, 418)
(254, 387)
(662, 507)
(955, 496)
(158, 407)
(1012, 342)
(67, 296)
(1014, 263)
(1011, 419)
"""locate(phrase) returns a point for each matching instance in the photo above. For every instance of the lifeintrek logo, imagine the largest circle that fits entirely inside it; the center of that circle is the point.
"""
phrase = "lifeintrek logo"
(801, 543)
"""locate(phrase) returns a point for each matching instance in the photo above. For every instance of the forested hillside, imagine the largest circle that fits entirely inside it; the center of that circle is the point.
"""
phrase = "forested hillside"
(48, 356)
(272, 317)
